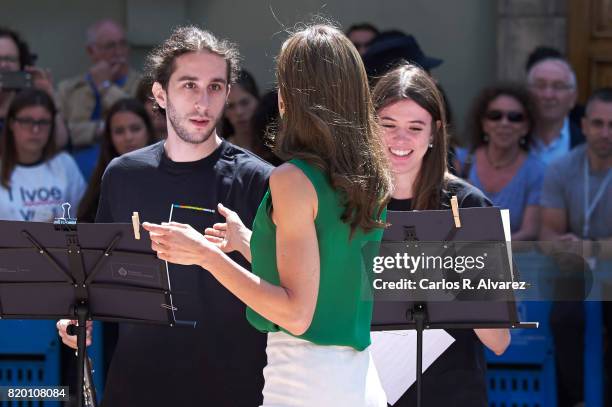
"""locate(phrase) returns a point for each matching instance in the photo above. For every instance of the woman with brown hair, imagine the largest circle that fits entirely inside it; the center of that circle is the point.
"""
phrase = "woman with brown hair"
(410, 110)
(306, 290)
(499, 162)
(127, 127)
(242, 101)
(35, 179)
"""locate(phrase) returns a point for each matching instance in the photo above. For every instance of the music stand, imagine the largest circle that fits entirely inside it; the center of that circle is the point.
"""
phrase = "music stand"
(84, 272)
(477, 225)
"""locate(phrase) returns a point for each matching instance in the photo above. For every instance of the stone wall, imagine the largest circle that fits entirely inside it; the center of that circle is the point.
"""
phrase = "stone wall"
(523, 25)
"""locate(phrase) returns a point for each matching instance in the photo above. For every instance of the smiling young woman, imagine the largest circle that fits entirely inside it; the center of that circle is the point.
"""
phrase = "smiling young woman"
(410, 110)
(127, 127)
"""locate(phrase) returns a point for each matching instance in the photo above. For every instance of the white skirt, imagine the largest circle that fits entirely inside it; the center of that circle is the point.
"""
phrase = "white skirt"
(302, 374)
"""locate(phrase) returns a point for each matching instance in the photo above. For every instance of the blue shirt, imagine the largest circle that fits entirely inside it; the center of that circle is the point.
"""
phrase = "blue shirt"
(560, 146)
(522, 191)
(87, 157)
(97, 111)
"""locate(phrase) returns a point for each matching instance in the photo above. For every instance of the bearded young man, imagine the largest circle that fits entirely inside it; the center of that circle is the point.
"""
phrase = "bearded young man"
(219, 363)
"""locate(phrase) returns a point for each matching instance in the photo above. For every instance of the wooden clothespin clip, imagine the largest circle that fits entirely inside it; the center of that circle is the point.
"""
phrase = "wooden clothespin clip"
(455, 209)
(136, 225)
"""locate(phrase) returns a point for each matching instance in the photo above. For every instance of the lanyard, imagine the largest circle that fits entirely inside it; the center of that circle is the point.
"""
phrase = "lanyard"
(588, 209)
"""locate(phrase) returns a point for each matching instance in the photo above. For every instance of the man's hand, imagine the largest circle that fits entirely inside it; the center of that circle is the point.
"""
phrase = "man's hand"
(71, 340)
(101, 72)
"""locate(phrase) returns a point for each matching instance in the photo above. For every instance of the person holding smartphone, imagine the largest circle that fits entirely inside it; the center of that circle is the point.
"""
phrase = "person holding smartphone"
(17, 72)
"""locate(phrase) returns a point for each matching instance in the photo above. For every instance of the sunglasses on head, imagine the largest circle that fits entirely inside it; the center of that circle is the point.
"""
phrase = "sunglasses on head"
(497, 115)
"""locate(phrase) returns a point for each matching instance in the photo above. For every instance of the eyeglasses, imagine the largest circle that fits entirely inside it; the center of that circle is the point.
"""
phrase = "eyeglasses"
(113, 45)
(9, 58)
(497, 115)
(555, 86)
(29, 123)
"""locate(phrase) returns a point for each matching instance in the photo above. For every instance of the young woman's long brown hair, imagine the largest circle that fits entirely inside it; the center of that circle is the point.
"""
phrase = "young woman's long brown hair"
(329, 120)
(411, 82)
(89, 203)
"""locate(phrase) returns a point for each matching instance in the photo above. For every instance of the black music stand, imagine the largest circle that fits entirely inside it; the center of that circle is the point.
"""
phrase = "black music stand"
(427, 227)
(84, 272)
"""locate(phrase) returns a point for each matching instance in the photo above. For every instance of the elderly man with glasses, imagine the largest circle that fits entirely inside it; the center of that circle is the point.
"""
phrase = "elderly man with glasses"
(85, 98)
(552, 82)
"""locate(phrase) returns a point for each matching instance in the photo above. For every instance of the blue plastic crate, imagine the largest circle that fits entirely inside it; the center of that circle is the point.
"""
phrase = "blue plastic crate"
(521, 385)
(29, 356)
(529, 346)
(524, 376)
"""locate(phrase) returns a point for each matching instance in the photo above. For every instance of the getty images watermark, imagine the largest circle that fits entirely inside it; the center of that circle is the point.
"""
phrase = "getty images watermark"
(428, 263)
(486, 271)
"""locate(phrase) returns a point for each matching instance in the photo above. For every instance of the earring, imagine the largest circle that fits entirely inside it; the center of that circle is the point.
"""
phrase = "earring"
(485, 138)
(430, 143)
(523, 141)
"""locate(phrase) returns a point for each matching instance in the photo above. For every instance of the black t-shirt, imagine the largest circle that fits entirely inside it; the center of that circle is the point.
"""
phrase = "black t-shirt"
(220, 362)
(458, 376)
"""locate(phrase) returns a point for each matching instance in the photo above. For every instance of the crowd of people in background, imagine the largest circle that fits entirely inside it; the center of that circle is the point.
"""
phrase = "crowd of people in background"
(527, 146)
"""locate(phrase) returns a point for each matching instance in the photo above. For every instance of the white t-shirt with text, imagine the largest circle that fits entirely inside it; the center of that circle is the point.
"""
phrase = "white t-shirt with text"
(37, 192)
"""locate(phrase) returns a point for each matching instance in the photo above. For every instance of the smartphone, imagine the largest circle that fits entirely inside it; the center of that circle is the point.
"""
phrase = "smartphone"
(15, 80)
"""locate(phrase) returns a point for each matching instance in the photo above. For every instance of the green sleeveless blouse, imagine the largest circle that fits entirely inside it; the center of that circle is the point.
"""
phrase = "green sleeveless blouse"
(344, 307)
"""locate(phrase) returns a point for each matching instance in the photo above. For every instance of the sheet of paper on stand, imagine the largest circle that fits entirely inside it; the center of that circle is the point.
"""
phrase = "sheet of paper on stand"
(505, 215)
(394, 354)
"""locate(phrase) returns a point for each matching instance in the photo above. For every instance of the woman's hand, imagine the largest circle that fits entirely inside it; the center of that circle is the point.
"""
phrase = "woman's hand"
(497, 340)
(181, 244)
(231, 235)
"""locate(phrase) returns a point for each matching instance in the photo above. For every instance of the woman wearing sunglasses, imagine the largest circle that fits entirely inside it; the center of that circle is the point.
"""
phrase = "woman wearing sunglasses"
(34, 179)
(499, 163)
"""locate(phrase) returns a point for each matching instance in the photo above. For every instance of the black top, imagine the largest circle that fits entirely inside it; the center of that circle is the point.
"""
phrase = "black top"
(220, 362)
(458, 376)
